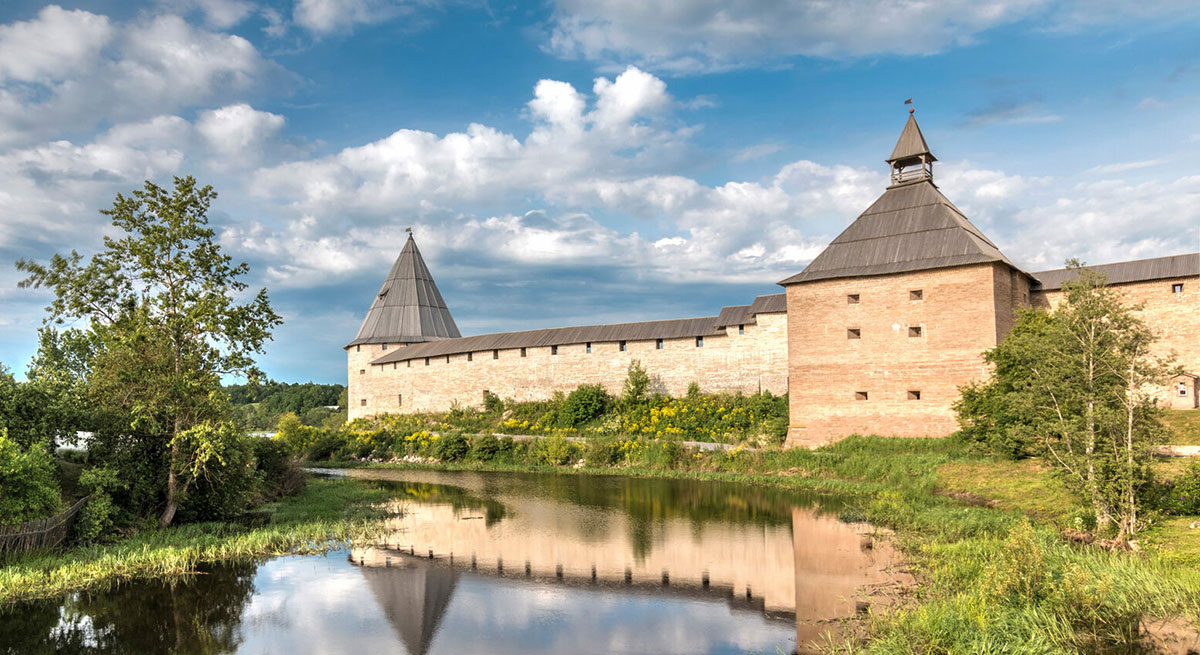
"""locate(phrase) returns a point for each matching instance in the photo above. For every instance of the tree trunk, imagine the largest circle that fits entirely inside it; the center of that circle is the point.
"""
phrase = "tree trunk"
(168, 514)
(1102, 515)
(1130, 497)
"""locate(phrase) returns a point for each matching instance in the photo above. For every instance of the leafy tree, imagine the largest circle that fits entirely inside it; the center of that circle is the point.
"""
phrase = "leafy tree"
(28, 488)
(585, 403)
(162, 300)
(637, 383)
(1074, 385)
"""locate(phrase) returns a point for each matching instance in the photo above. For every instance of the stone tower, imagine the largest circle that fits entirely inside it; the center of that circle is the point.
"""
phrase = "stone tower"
(407, 309)
(893, 316)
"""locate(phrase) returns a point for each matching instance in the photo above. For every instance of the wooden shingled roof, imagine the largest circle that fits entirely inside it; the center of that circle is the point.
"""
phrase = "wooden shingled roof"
(911, 146)
(1141, 270)
(408, 308)
(911, 227)
(679, 328)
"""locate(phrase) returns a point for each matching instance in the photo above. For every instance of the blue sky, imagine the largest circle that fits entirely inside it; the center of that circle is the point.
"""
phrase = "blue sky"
(581, 161)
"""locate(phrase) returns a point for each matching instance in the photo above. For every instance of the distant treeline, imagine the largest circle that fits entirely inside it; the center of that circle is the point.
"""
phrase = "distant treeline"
(260, 405)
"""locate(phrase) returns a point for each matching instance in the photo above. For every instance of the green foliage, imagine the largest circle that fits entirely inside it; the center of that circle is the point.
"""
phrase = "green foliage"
(279, 473)
(97, 517)
(28, 487)
(693, 390)
(1073, 385)
(225, 478)
(585, 403)
(162, 302)
(492, 403)
(637, 383)
(486, 448)
(1182, 497)
(451, 447)
(554, 450)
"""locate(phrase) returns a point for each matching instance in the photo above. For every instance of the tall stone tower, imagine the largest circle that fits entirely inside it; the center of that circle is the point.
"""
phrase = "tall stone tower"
(890, 319)
(408, 309)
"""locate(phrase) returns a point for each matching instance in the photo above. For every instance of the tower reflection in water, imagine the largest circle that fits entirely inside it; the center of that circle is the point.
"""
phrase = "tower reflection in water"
(813, 569)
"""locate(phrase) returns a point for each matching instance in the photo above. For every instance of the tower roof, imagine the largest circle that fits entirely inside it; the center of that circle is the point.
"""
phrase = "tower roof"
(911, 146)
(911, 227)
(408, 308)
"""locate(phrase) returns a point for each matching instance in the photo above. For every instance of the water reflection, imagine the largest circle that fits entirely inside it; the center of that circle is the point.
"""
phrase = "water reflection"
(510, 564)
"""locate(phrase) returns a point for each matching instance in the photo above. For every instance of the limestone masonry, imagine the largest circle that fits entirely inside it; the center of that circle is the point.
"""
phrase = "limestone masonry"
(875, 336)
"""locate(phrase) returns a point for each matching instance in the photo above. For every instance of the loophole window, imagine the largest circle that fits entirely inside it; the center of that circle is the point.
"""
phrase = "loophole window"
(914, 395)
(852, 299)
(916, 294)
(860, 395)
(853, 333)
(914, 332)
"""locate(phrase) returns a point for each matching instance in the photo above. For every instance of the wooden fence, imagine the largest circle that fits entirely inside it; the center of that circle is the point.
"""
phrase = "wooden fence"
(46, 533)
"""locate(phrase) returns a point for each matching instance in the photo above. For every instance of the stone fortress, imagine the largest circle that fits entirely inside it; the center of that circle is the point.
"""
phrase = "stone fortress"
(874, 336)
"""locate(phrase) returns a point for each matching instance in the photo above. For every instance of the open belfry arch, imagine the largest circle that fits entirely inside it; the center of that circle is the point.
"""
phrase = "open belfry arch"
(874, 336)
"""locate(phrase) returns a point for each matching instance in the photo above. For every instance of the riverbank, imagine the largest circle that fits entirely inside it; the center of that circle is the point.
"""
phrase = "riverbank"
(326, 514)
(986, 538)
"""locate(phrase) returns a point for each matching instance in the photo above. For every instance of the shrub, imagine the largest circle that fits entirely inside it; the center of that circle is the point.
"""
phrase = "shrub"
(228, 484)
(486, 448)
(1183, 497)
(323, 446)
(451, 447)
(603, 451)
(587, 402)
(637, 382)
(277, 467)
(492, 403)
(96, 518)
(28, 488)
(555, 450)
(693, 390)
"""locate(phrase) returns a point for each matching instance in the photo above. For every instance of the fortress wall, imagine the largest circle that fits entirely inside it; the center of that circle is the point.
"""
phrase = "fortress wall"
(958, 316)
(750, 362)
(1175, 319)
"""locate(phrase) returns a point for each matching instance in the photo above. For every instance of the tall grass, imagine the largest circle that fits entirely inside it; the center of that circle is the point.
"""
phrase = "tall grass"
(325, 514)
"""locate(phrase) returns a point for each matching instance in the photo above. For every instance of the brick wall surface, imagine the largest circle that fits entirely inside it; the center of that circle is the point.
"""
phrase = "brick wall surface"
(750, 362)
(959, 316)
(1175, 319)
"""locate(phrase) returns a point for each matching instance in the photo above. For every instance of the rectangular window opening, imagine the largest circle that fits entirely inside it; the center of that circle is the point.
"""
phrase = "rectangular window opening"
(914, 331)
(916, 294)
(852, 299)
(860, 395)
(495, 354)
(393, 366)
(589, 347)
(658, 344)
(622, 346)
(853, 333)
(522, 352)
(470, 357)
(427, 361)
(358, 348)
(399, 400)
(699, 342)
(383, 346)
(741, 329)
(1182, 389)
(1177, 287)
(409, 362)
(362, 371)
(447, 359)
(553, 350)
(363, 402)
(914, 395)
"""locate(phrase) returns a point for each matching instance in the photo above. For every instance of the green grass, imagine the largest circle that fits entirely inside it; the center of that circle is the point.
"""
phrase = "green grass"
(325, 514)
(1183, 426)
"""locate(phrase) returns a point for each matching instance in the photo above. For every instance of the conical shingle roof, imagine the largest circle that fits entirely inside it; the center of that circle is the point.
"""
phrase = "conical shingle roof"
(911, 227)
(408, 308)
(910, 146)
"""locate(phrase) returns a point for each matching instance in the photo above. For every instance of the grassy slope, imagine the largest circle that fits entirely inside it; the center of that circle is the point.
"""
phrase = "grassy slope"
(1184, 425)
(327, 512)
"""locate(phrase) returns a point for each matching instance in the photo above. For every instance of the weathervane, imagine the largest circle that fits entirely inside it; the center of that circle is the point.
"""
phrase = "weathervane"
(911, 107)
(408, 229)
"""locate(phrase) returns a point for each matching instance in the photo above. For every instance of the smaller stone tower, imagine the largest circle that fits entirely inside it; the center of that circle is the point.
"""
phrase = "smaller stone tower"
(407, 309)
(888, 321)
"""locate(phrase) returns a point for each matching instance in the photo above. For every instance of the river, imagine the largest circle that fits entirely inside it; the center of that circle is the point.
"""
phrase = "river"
(512, 563)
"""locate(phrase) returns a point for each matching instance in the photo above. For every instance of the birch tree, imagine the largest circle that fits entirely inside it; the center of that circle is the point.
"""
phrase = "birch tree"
(172, 315)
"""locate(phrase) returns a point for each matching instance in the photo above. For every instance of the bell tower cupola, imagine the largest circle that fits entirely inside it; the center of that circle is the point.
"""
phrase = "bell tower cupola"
(911, 159)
